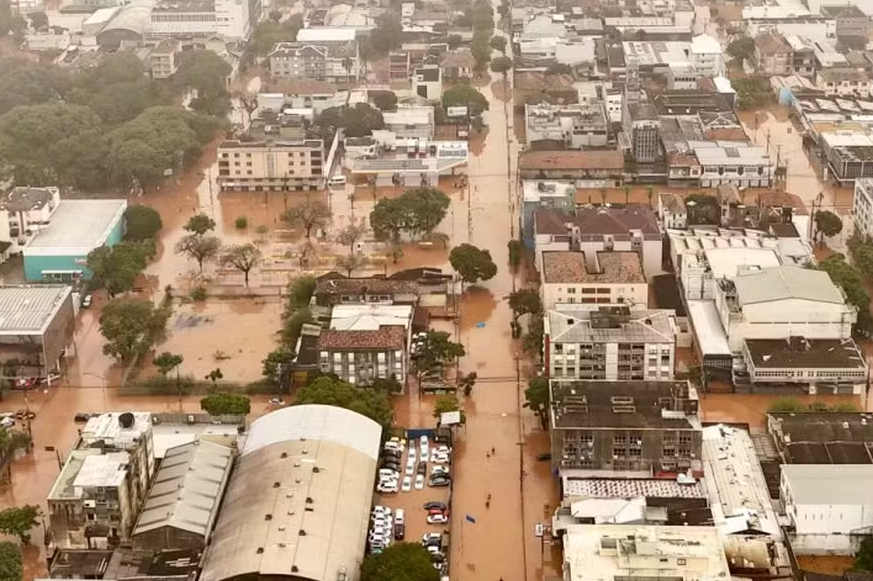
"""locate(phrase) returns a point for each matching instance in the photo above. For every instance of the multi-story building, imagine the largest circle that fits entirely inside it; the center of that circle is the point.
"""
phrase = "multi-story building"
(672, 211)
(632, 227)
(643, 129)
(587, 168)
(849, 156)
(537, 194)
(611, 343)
(634, 429)
(802, 55)
(734, 163)
(773, 54)
(427, 82)
(852, 22)
(24, 211)
(362, 356)
(410, 122)
(331, 62)
(862, 207)
(844, 82)
(593, 278)
(565, 126)
(96, 497)
(162, 59)
(227, 18)
(706, 56)
(256, 166)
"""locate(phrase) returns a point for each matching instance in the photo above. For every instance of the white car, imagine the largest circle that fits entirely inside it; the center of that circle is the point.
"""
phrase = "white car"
(399, 517)
(410, 467)
(440, 459)
(407, 484)
(393, 446)
(423, 441)
(430, 537)
(383, 524)
(437, 519)
(424, 455)
(442, 450)
(433, 550)
(386, 473)
(378, 509)
(387, 487)
(419, 482)
(412, 455)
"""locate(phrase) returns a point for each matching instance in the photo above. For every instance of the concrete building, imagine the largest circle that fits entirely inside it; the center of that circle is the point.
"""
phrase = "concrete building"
(60, 250)
(822, 437)
(596, 278)
(829, 511)
(231, 19)
(332, 62)
(802, 55)
(851, 21)
(298, 502)
(844, 82)
(742, 165)
(427, 82)
(269, 165)
(773, 54)
(565, 126)
(609, 343)
(182, 504)
(550, 194)
(628, 429)
(162, 59)
(95, 499)
(643, 129)
(24, 211)
(608, 552)
(410, 122)
(332, 291)
(37, 324)
(633, 227)
(590, 169)
(706, 56)
(672, 211)
(389, 160)
(862, 207)
(849, 156)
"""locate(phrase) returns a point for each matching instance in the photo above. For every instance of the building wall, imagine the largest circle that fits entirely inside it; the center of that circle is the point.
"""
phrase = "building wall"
(708, 64)
(261, 167)
(774, 64)
(34, 266)
(624, 361)
(230, 19)
(753, 176)
(862, 207)
(362, 367)
(169, 538)
(636, 295)
(59, 335)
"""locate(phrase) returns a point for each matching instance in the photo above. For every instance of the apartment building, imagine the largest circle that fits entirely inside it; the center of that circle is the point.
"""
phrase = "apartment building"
(633, 227)
(745, 166)
(706, 54)
(773, 54)
(609, 343)
(256, 166)
(24, 211)
(575, 126)
(231, 19)
(363, 356)
(332, 62)
(851, 21)
(862, 207)
(643, 129)
(630, 429)
(593, 278)
(844, 82)
(803, 52)
(162, 59)
(672, 211)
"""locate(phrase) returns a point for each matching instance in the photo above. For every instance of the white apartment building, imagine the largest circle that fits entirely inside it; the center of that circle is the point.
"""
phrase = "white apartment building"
(829, 507)
(706, 56)
(326, 61)
(593, 278)
(427, 82)
(782, 301)
(228, 18)
(573, 126)
(410, 122)
(257, 166)
(633, 227)
(672, 211)
(844, 82)
(610, 343)
(24, 211)
(862, 206)
(609, 552)
(733, 163)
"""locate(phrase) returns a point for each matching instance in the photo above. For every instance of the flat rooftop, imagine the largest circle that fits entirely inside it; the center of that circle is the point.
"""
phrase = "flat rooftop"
(77, 227)
(624, 405)
(567, 267)
(798, 352)
(369, 317)
(631, 487)
(847, 484)
(106, 470)
(109, 428)
(28, 310)
(573, 323)
(822, 426)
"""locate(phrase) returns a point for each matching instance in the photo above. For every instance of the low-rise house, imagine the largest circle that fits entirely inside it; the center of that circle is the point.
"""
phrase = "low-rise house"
(565, 126)
(336, 289)
(773, 54)
(457, 65)
(592, 168)
(802, 55)
(427, 82)
(594, 278)
(672, 211)
(844, 82)
(733, 163)
(301, 94)
(851, 21)
(363, 356)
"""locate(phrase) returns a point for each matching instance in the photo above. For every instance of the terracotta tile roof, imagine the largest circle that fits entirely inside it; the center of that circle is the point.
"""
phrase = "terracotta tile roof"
(596, 222)
(673, 202)
(548, 221)
(772, 43)
(391, 337)
(612, 160)
(349, 286)
(726, 134)
(570, 267)
(537, 81)
(681, 158)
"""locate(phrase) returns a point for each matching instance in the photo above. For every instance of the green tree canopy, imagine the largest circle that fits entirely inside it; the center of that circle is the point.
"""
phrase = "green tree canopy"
(19, 520)
(849, 278)
(243, 257)
(536, 397)
(827, 223)
(357, 121)
(416, 212)
(752, 92)
(268, 32)
(167, 362)
(23, 83)
(454, 41)
(224, 403)
(742, 48)
(130, 327)
(11, 568)
(525, 302)
(516, 249)
(387, 36)
(437, 348)
(864, 556)
(384, 100)
(117, 267)
(375, 404)
(472, 264)
(207, 73)
(448, 403)
(465, 96)
(498, 43)
(532, 341)
(399, 562)
(501, 64)
(200, 224)
(277, 363)
(300, 292)
(143, 223)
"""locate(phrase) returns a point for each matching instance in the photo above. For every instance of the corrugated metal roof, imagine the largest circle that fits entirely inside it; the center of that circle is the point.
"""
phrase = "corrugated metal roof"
(27, 309)
(187, 489)
(786, 282)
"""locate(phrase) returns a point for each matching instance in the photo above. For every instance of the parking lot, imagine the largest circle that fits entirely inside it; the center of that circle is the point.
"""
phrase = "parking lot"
(412, 495)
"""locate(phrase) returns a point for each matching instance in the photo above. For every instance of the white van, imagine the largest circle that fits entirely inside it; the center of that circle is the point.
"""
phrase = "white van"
(337, 180)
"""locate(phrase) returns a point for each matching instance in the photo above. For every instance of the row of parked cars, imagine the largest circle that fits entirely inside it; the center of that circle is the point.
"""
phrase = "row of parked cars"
(415, 471)
(385, 525)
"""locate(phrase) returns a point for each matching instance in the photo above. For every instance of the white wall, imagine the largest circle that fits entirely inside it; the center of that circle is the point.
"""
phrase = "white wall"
(635, 295)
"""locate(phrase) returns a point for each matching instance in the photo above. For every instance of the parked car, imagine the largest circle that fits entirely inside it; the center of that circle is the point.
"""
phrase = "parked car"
(82, 417)
(439, 482)
(86, 301)
(25, 414)
(422, 468)
(429, 537)
(407, 484)
(419, 482)
(433, 504)
(392, 454)
(440, 459)
(437, 519)
(387, 473)
(544, 456)
(440, 470)
(387, 487)
(277, 401)
(399, 531)
(7, 422)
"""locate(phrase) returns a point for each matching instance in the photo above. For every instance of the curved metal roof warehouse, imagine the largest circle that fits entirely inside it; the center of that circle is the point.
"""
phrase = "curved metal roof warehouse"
(298, 502)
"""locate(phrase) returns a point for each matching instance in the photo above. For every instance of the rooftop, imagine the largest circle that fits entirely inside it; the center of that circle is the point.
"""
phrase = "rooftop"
(595, 222)
(298, 503)
(389, 337)
(568, 267)
(359, 286)
(28, 310)
(119, 430)
(63, 488)
(670, 405)
(798, 352)
(771, 42)
(325, 34)
(576, 323)
(187, 490)
(708, 330)
(369, 317)
(849, 483)
(612, 552)
(739, 497)
(821, 427)
(24, 199)
(104, 470)
(77, 227)
(786, 282)
(657, 53)
(570, 160)
(673, 203)
(630, 488)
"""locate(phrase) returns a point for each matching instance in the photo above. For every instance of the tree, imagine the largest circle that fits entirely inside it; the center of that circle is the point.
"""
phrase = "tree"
(275, 15)
(437, 349)
(308, 215)
(532, 342)
(501, 64)
(224, 403)
(742, 48)
(277, 363)
(827, 223)
(388, 219)
(787, 404)
(130, 327)
(516, 248)
(142, 223)
(268, 32)
(357, 121)
(19, 520)
(300, 292)
(11, 568)
(384, 100)
(372, 403)
(351, 262)
(752, 92)
(465, 96)
(116, 268)
(200, 224)
(481, 51)
(167, 362)
(467, 382)
(525, 302)
(445, 404)
(205, 72)
(38, 19)
(498, 43)
(864, 556)
(426, 207)
(399, 562)
(472, 264)
(293, 325)
(849, 278)
(627, 195)
(454, 41)
(389, 385)
(537, 397)
(199, 248)
(351, 234)
(243, 257)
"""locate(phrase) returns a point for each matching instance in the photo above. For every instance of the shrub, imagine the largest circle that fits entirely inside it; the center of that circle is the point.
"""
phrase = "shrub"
(241, 223)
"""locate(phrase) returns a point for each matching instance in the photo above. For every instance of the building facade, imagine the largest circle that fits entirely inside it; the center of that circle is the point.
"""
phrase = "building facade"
(256, 166)
(361, 357)
(230, 19)
(862, 206)
(332, 62)
(599, 278)
(570, 126)
(773, 54)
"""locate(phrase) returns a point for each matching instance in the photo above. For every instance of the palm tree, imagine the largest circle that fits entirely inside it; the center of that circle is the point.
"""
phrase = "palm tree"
(626, 194)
